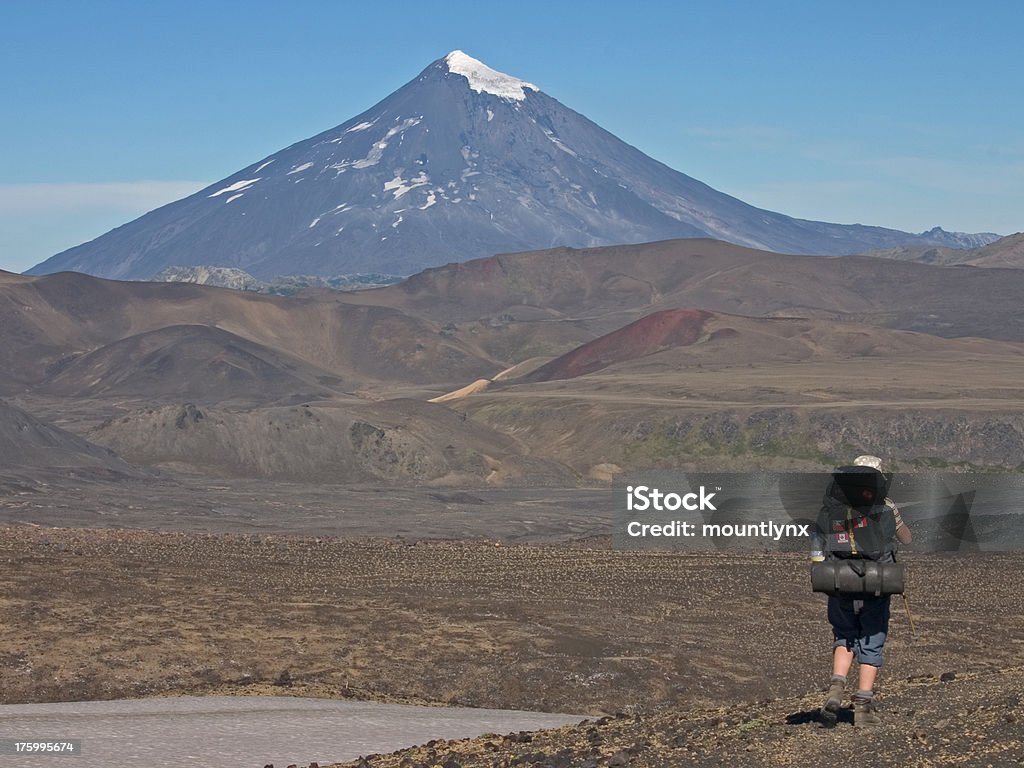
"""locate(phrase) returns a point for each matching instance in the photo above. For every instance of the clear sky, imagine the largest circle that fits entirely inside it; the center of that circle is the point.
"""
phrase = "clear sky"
(902, 114)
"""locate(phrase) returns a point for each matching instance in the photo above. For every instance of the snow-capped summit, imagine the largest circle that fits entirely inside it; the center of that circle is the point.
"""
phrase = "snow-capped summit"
(483, 79)
(463, 161)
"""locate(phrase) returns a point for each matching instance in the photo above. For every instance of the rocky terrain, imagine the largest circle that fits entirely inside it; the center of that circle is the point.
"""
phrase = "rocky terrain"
(949, 719)
(656, 649)
(282, 285)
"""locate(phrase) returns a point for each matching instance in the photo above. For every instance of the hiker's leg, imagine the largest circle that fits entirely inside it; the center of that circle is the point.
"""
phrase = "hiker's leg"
(874, 621)
(845, 630)
(874, 629)
(842, 658)
(866, 678)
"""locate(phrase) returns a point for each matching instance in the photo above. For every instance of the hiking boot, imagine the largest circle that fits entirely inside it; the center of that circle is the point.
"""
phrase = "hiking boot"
(864, 712)
(833, 701)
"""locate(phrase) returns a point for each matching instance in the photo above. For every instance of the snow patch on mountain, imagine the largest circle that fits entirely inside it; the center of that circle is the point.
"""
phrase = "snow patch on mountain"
(431, 200)
(483, 79)
(377, 150)
(399, 186)
(558, 142)
(361, 126)
(373, 156)
(300, 168)
(238, 186)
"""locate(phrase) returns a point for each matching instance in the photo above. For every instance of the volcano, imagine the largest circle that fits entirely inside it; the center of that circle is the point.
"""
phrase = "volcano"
(461, 162)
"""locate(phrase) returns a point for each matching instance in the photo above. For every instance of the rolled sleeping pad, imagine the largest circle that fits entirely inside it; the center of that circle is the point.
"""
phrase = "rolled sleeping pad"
(857, 577)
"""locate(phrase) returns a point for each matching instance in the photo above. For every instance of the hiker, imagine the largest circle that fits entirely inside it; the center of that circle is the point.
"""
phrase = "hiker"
(854, 525)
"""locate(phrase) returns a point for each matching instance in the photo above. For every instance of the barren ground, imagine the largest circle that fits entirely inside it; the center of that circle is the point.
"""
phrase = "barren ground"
(685, 642)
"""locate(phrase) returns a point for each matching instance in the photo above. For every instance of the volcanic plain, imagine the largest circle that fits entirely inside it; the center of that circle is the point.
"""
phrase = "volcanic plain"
(402, 494)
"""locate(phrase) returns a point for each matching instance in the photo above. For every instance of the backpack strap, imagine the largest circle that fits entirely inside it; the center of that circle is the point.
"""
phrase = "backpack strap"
(849, 531)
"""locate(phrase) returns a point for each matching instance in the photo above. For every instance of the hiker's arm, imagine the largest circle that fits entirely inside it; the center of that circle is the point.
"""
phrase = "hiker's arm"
(902, 530)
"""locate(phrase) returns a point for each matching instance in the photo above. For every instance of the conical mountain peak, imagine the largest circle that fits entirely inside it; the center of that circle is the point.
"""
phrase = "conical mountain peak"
(460, 162)
(483, 79)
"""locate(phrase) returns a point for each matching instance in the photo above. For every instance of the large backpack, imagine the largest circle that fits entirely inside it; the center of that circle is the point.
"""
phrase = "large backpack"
(855, 521)
(856, 528)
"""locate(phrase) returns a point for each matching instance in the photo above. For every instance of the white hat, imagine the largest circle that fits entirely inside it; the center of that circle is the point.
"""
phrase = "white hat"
(868, 460)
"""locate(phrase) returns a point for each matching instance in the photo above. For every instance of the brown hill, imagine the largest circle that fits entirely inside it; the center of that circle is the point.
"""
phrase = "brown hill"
(195, 362)
(47, 320)
(647, 336)
(1006, 252)
(671, 341)
(804, 334)
(396, 441)
(585, 293)
(733, 391)
(458, 323)
(28, 443)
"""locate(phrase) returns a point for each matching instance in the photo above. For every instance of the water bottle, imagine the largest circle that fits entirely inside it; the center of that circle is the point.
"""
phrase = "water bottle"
(817, 547)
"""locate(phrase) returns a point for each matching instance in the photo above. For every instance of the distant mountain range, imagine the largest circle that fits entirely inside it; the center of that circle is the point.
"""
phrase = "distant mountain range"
(461, 162)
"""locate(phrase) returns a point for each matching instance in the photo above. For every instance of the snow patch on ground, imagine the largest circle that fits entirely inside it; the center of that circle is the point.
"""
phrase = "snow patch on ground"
(314, 222)
(234, 197)
(396, 222)
(431, 200)
(483, 79)
(238, 186)
(490, 115)
(265, 165)
(299, 168)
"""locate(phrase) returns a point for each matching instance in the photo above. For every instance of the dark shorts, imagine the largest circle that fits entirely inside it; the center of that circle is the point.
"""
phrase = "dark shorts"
(862, 632)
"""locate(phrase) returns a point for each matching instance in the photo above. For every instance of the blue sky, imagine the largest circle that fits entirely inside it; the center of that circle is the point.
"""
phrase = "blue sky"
(904, 114)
